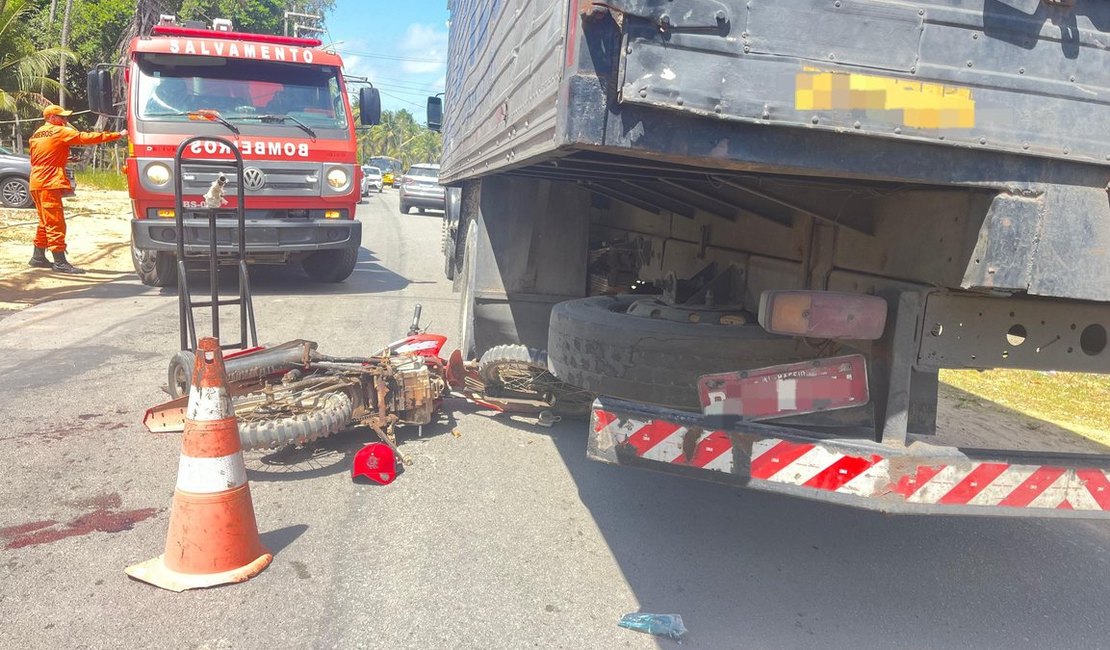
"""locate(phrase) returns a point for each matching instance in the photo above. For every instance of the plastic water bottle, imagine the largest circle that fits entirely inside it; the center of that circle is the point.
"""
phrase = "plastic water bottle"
(665, 625)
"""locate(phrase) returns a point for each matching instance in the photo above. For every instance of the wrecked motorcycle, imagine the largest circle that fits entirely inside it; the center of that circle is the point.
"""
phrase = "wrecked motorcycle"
(294, 394)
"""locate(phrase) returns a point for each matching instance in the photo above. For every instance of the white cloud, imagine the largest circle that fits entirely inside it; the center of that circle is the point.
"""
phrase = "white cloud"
(424, 42)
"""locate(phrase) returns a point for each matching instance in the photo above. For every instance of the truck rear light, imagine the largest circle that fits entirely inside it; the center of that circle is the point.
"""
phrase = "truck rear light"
(165, 214)
(332, 214)
(823, 314)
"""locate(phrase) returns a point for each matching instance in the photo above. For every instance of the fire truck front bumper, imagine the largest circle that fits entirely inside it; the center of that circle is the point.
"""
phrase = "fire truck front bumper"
(261, 236)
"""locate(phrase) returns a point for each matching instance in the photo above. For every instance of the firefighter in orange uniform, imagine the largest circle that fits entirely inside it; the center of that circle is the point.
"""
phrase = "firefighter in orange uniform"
(49, 153)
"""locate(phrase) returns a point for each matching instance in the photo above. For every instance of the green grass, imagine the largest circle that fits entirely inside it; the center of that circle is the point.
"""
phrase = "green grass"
(1072, 400)
(103, 179)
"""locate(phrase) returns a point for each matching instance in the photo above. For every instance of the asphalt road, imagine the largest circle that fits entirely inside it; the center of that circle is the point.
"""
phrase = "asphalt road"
(503, 536)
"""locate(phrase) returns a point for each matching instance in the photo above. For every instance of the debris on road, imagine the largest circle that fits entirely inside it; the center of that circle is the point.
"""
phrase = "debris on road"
(664, 625)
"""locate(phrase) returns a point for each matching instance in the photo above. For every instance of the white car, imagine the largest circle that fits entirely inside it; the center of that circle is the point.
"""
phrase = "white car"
(371, 179)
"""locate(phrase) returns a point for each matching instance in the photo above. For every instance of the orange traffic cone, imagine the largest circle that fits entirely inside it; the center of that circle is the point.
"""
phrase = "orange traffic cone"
(213, 536)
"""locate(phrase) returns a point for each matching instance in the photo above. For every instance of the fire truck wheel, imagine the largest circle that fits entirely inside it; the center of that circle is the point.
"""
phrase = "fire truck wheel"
(259, 429)
(155, 268)
(595, 345)
(180, 374)
(331, 265)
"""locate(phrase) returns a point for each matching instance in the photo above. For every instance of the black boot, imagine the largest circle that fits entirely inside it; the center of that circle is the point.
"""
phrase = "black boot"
(62, 265)
(38, 259)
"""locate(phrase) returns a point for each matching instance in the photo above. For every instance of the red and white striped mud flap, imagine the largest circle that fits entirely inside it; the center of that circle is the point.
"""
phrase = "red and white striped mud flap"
(918, 479)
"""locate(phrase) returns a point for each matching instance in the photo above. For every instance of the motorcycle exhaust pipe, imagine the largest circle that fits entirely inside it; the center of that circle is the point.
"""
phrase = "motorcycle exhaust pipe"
(280, 359)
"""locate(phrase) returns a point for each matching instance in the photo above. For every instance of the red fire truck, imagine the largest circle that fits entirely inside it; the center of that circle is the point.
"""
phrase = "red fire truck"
(282, 102)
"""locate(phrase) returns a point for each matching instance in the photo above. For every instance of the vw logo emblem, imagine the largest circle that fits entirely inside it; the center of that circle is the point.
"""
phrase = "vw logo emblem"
(253, 179)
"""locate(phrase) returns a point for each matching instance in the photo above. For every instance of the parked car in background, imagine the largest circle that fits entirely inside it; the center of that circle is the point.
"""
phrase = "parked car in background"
(371, 179)
(15, 175)
(420, 188)
(15, 170)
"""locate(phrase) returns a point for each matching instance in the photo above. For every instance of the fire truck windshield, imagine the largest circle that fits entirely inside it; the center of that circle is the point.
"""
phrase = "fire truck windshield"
(239, 90)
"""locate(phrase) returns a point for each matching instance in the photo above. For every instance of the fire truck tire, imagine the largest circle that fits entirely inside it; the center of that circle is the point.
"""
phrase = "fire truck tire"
(155, 268)
(330, 415)
(330, 265)
(595, 345)
(180, 374)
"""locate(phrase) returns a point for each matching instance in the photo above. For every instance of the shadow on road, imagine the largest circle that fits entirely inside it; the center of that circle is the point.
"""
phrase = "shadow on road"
(750, 569)
(277, 540)
(369, 276)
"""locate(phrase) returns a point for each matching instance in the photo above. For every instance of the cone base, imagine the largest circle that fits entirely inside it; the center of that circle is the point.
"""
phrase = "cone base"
(158, 574)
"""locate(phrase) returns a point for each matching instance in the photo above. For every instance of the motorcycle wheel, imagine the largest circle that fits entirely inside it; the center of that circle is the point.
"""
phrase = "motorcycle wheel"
(268, 421)
(516, 370)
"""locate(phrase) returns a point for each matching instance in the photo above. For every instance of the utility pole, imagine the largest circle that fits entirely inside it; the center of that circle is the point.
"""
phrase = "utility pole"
(297, 27)
(62, 63)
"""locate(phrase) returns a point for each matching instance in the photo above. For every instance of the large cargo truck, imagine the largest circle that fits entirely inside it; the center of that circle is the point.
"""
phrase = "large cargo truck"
(282, 102)
(693, 207)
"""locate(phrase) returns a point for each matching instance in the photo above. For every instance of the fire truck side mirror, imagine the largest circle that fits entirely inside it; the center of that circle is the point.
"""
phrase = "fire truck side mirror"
(435, 113)
(100, 91)
(369, 106)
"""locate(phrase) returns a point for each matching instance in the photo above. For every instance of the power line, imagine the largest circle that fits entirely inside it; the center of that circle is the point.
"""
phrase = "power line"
(404, 100)
(389, 57)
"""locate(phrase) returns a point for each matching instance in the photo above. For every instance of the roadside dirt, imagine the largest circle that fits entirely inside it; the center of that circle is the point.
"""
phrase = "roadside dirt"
(98, 236)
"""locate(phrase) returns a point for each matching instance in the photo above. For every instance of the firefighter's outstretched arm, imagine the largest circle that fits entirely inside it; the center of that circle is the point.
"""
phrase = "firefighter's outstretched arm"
(73, 137)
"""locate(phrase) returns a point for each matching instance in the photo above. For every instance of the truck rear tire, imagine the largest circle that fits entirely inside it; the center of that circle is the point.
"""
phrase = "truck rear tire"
(154, 268)
(330, 265)
(595, 345)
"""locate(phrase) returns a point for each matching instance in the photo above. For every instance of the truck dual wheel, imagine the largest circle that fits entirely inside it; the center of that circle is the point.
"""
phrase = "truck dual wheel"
(154, 268)
(330, 265)
(595, 345)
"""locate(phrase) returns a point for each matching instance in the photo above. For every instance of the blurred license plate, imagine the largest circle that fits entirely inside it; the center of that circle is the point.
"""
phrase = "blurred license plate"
(791, 389)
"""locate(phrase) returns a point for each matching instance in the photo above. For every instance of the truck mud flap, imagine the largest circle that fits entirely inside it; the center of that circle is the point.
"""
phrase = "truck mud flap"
(914, 479)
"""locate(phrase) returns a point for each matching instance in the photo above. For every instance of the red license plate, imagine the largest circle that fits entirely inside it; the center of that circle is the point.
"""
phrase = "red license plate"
(791, 389)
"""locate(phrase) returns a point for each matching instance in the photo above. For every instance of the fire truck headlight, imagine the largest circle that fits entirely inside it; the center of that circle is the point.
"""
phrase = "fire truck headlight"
(338, 179)
(158, 174)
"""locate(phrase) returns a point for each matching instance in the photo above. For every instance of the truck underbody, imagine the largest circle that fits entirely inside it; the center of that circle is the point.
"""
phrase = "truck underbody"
(627, 152)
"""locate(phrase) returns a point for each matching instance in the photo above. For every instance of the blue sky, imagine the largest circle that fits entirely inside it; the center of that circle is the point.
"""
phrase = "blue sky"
(400, 46)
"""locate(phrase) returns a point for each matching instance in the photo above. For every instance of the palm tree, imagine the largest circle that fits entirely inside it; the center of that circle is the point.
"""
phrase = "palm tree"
(23, 69)
(426, 146)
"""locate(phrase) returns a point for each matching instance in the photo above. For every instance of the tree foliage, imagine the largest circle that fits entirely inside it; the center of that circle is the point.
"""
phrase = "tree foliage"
(30, 36)
(398, 135)
(259, 16)
(25, 67)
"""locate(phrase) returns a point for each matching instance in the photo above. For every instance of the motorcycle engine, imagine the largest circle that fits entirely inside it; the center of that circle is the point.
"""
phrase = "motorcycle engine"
(413, 397)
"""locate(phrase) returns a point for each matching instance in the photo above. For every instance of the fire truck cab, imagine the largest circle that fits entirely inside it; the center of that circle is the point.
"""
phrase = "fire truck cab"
(282, 102)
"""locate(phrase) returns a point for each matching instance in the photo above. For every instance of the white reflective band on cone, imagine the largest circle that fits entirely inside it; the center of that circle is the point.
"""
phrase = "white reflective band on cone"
(208, 404)
(210, 475)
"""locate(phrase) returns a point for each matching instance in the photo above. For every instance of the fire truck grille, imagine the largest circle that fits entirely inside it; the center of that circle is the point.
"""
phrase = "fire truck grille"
(277, 179)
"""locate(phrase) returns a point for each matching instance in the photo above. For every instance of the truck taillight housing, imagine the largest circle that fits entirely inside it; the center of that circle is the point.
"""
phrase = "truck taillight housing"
(823, 314)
